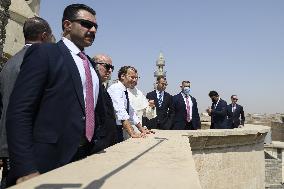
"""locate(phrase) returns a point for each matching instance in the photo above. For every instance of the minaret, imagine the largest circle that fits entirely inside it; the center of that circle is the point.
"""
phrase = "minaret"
(160, 63)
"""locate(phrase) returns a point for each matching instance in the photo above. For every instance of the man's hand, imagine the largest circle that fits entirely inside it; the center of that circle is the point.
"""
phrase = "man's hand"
(27, 177)
(147, 131)
(152, 103)
(137, 135)
(240, 126)
(209, 110)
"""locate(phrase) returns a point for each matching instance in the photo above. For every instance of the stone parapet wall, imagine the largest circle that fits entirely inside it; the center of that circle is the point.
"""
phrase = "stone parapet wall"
(160, 161)
(277, 131)
(232, 158)
(273, 173)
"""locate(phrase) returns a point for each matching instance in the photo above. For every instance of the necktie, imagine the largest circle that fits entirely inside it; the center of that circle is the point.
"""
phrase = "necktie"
(89, 99)
(187, 109)
(160, 101)
(233, 108)
(127, 99)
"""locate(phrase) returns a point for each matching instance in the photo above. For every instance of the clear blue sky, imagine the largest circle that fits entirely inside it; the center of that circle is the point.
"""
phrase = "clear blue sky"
(231, 46)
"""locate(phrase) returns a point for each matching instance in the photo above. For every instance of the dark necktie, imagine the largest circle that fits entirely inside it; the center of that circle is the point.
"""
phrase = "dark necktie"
(127, 99)
(89, 99)
(160, 100)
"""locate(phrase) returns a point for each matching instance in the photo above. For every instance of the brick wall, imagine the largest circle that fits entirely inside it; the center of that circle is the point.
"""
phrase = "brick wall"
(277, 131)
(273, 173)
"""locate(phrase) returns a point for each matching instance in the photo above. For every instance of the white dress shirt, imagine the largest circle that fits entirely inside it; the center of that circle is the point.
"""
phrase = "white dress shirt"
(74, 50)
(190, 104)
(117, 94)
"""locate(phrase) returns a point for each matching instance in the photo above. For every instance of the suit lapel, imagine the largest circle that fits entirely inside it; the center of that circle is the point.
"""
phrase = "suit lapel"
(182, 102)
(76, 79)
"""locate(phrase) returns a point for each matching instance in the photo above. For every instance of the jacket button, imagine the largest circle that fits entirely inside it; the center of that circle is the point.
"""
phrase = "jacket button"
(83, 118)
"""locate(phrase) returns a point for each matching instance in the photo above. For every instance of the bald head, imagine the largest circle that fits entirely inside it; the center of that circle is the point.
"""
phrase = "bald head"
(104, 66)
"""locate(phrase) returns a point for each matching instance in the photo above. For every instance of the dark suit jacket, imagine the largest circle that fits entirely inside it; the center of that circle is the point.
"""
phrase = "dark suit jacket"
(179, 119)
(219, 115)
(164, 113)
(46, 113)
(106, 134)
(8, 78)
(234, 117)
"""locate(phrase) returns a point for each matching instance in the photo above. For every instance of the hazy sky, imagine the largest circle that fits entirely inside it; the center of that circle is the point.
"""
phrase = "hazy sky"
(231, 46)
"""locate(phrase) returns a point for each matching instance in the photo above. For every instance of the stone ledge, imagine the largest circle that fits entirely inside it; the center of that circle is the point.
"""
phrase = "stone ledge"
(163, 160)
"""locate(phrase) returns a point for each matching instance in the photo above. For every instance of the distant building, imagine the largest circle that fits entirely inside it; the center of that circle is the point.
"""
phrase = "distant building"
(12, 37)
(160, 63)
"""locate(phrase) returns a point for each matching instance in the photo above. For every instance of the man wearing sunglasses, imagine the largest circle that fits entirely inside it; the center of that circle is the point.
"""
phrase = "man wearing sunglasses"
(217, 111)
(57, 103)
(106, 136)
(235, 113)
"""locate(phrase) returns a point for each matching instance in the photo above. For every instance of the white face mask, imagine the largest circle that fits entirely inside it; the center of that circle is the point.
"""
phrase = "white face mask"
(186, 90)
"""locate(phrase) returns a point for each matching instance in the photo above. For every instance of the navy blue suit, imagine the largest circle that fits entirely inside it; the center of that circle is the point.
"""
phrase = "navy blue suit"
(46, 114)
(219, 115)
(164, 113)
(179, 119)
(234, 117)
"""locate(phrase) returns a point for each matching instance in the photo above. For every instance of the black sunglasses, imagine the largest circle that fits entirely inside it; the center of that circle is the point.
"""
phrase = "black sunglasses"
(107, 66)
(86, 23)
(235, 99)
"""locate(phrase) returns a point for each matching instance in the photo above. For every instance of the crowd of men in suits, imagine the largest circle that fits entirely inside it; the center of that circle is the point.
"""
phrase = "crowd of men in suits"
(57, 106)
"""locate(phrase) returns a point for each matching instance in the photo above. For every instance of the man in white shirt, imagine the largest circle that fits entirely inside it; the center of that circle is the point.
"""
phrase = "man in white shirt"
(124, 112)
(140, 104)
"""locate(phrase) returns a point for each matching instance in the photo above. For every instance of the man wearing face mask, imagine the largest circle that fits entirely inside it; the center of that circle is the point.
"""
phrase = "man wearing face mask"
(186, 116)
(217, 111)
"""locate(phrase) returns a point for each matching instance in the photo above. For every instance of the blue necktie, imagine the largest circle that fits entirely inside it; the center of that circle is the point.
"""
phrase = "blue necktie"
(160, 101)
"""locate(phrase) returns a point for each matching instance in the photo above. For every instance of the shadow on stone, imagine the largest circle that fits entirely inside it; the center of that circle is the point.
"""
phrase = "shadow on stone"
(99, 183)
(58, 186)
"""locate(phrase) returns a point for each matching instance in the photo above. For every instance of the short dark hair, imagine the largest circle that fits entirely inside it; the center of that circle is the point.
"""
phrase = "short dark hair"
(213, 93)
(35, 26)
(123, 70)
(233, 96)
(161, 77)
(185, 82)
(70, 12)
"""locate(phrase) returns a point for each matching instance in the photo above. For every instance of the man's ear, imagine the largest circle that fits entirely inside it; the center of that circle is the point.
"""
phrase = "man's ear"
(67, 25)
(45, 37)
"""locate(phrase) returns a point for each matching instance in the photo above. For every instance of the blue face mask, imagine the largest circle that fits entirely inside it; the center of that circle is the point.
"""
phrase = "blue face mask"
(186, 90)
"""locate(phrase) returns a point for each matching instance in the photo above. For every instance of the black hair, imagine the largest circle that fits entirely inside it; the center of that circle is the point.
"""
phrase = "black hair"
(161, 77)
(70, 12)
(35, 26)
(123, 70)
(213, 93)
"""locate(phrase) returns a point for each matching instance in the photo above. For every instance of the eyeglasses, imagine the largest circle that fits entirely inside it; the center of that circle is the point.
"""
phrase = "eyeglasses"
(235, 99)
(106, 66)
(86, 23)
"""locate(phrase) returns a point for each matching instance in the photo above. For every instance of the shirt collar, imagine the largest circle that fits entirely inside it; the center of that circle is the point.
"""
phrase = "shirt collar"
(71, 46)
(158, 92)
(121, 85)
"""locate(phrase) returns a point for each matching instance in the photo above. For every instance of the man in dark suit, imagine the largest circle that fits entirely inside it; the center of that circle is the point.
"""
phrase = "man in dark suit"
(186, 116)
(163, 104)
(107, 136)
(36, 30)
(234, 113)
(217, 111)
(56, 105)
